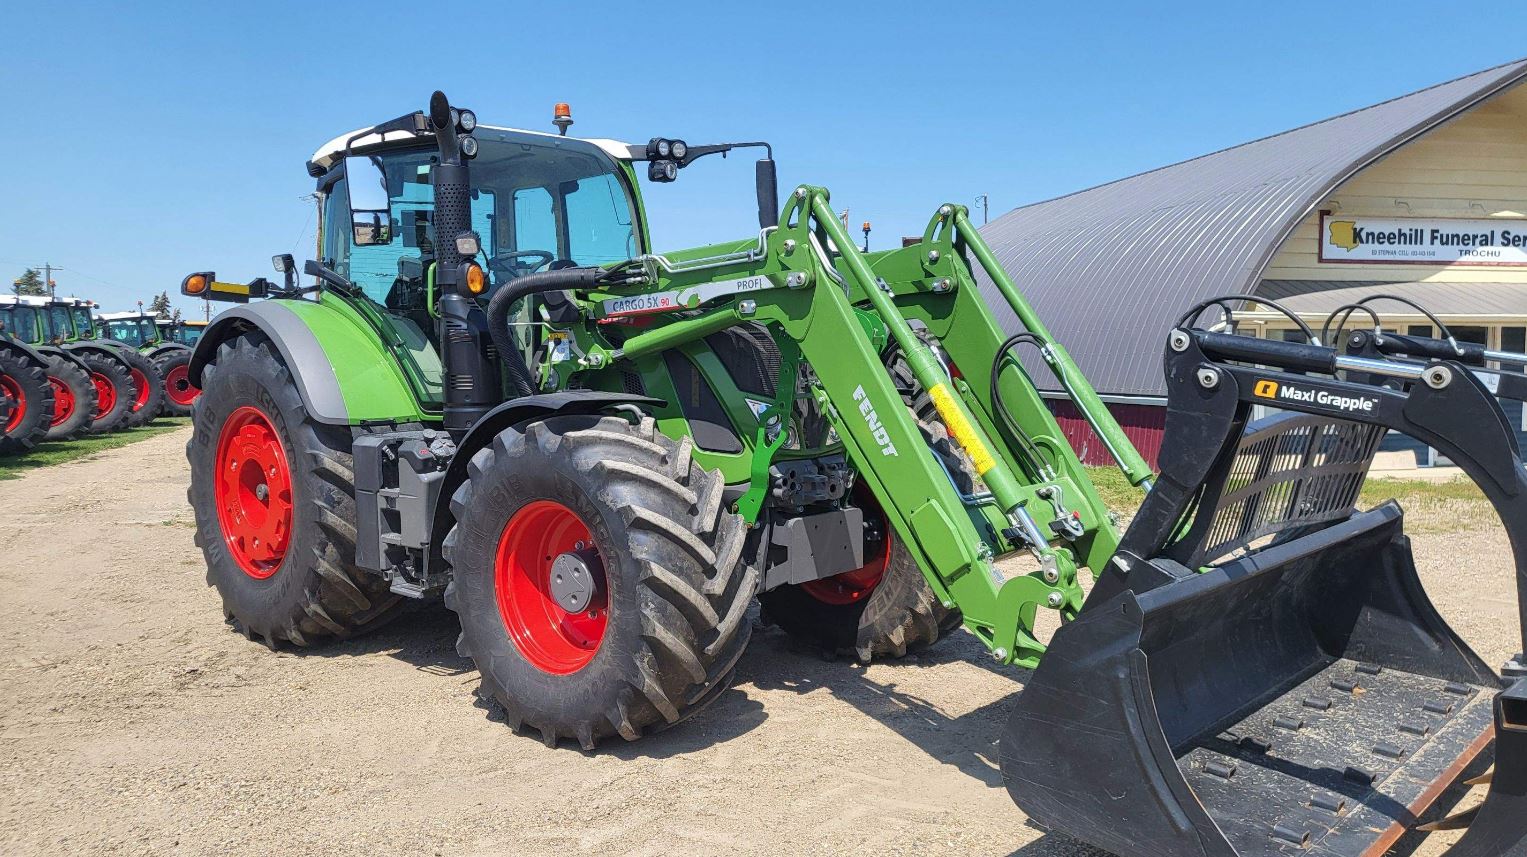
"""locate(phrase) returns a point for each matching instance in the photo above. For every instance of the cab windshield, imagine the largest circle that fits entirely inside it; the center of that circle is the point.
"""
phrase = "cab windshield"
(20, 322)
(538, 203)
(84, 324)
(128, 330)
(60, 327)
(185, 334)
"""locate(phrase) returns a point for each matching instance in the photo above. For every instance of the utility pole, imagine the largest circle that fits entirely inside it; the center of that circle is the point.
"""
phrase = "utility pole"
(981, 198)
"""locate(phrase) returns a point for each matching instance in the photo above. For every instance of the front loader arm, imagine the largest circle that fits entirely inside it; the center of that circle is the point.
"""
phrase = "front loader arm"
(839, 313)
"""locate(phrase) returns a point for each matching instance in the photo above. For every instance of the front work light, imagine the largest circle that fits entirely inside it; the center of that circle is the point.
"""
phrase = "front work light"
(662, 171)
(469, 146)
(679, 149)
(468, 121)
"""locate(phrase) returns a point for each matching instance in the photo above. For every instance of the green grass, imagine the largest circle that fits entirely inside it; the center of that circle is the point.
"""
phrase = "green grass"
(48, 454)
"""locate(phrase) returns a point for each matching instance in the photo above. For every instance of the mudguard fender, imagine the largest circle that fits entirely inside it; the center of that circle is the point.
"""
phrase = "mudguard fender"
(343, 372)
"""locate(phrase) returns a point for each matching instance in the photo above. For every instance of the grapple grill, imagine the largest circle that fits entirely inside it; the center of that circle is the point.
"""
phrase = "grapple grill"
(1263, 673)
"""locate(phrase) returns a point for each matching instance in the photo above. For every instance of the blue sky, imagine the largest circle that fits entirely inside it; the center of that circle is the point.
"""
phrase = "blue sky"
(143, 143)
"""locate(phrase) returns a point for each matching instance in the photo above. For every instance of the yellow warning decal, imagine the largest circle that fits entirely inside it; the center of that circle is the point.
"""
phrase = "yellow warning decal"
(964, 433)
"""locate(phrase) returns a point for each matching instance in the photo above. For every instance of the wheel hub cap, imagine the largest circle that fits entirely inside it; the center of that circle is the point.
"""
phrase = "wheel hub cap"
(63, 401)
(105, 395)
(557, 625)
(253, 488)
(11, 391)
(141, 381)
(177, 385)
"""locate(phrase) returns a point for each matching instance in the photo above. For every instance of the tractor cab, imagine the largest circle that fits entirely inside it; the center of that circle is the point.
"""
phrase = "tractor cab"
(24, 317)
(81, 318)
(136, 329)
(539, 202)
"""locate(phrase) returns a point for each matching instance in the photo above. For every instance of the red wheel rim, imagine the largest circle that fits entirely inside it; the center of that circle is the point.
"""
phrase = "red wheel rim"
(105, 395)
(550, 638)
(63, 401)
(851, 587)
(140, 380)
(253, 492)
(177, 385)
(12, 390)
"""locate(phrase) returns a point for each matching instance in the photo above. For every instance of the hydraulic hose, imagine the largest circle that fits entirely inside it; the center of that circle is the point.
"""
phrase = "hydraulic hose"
(511, 293)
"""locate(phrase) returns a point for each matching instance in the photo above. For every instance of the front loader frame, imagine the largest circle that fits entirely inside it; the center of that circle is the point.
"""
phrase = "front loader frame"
(840, 310)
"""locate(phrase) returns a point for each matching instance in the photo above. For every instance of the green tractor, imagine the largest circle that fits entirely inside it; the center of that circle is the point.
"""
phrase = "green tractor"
(166, 358)
(181, 332)
(44, 326)
(26, 397)
(495, 392)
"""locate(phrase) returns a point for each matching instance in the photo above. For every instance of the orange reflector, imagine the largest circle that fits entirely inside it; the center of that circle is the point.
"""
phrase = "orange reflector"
(562, 110)
(195, 284)
(477, 283)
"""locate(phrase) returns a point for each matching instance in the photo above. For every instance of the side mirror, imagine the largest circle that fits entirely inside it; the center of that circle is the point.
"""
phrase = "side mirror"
(767, 183)
(370, 205)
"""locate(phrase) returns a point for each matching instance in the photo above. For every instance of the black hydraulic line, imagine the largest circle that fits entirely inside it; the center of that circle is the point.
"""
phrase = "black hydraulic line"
(512, 292)
(1325, 329)
(1223, 302)
(1031, 452)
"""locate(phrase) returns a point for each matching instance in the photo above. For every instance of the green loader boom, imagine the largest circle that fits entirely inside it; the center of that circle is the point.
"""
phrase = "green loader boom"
(841, 310)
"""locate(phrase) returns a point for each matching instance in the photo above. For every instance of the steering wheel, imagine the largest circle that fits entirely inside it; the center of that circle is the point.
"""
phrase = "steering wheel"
(508, 265)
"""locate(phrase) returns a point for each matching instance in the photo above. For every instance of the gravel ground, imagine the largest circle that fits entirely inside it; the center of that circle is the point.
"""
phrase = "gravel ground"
(135, 722)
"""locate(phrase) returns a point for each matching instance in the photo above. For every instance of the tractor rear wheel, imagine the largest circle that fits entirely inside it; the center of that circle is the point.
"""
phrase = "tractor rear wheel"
(31, 396)
(175, 368)
(599, 581)
(73, 398)
(149, 385)
(273, 492)
(114, 392)
(884, 609)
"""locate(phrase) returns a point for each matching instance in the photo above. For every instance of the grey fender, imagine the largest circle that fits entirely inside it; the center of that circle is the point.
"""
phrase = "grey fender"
(103, 347)
(296, 344)
(23, 350)
(63, 354)
(165, 347)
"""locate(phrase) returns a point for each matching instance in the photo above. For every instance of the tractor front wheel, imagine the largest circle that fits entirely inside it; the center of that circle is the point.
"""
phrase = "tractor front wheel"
(149, 384)
(599, 581)
(31, 398)
(884, 609)
(73, 398)
(273, 493)
(114, 392)
(174, 367)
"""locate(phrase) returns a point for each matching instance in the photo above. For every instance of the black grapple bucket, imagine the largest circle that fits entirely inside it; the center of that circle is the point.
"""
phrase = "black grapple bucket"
(1261, 672)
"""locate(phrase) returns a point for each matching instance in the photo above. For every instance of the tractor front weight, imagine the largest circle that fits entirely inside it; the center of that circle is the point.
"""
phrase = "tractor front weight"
(842, 309)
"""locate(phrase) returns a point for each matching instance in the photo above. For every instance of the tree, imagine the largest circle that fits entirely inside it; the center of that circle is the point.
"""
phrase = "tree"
(160, 306)
(30, 283)
(175, 317)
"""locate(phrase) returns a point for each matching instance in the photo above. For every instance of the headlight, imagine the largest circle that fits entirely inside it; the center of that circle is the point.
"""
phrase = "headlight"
(469, 146)
(662, 171)
(468, 121)
(679, 148)
(664, 148)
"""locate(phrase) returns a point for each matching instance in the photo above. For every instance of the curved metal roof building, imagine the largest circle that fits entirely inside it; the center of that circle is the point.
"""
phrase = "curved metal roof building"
(1149, 246)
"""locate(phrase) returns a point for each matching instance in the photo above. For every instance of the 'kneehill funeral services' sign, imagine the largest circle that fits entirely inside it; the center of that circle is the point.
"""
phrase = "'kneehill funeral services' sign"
(1422, 241)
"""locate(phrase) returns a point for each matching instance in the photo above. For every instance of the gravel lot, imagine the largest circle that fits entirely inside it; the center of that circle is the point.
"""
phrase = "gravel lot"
(134, 721)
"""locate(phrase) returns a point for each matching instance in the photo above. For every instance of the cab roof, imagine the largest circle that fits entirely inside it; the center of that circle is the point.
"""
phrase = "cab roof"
(118, 316)
(331, 152)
